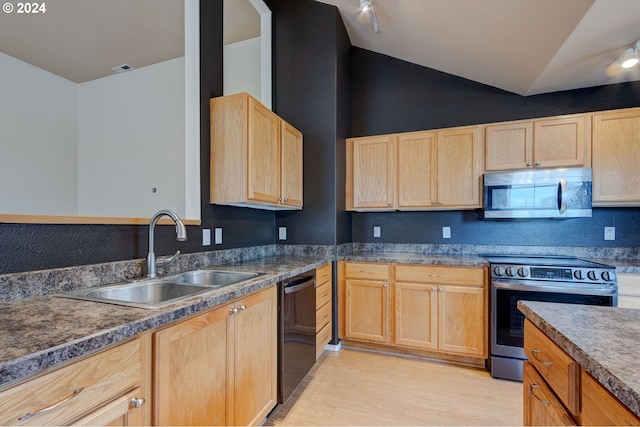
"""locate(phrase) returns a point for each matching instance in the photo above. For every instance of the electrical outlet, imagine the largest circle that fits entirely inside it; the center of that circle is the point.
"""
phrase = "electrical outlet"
(376, 231)
(446, 232)
(206, 237)
(218, 236)
(282, 233)
(609, 233)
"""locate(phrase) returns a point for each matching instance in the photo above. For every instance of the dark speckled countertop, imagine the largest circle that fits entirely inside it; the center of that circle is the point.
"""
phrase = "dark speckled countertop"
(603, 340)
(42, 332)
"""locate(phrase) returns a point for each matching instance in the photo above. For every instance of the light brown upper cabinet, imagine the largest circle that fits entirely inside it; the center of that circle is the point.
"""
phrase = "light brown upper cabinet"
(551, 142)
(415, 170)
(616, 156)
(256, 157)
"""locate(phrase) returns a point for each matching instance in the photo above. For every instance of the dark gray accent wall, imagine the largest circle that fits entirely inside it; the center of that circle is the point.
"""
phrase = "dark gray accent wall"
(390, 95)
(311, 91)
(27, 247)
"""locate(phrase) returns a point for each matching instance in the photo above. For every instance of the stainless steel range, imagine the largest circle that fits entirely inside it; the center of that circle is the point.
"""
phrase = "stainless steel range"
(538, 278)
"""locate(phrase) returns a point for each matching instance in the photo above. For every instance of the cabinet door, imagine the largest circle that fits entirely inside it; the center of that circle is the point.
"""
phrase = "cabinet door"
(291, 153)
(367, 310)
(616, 156)
(191, 370)
(461, 320)
(540, 406)
(255, 358)
(559, 142)
(414, 169)
(370, 173)
(264, 154)
(508, 146)
(601, 408)
(120, 412)
(416, 315)
(458, 167)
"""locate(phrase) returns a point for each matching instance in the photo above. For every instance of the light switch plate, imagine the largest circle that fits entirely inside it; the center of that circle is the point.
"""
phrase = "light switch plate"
(376, 231)
(609, 233)
(206, 237)
(218, 236)
(282, 233)
(446, 232)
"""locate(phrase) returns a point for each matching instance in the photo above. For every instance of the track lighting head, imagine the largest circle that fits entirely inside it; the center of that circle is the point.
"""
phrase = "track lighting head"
(366, 6)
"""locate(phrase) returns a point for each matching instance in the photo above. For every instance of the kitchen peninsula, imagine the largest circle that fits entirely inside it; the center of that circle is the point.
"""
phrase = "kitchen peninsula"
(587, 357)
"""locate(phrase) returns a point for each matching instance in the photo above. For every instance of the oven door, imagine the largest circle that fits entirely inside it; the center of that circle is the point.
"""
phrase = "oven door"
(507, 330)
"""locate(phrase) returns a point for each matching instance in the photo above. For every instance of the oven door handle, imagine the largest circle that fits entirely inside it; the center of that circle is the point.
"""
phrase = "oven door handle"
(298, 284)
(557, 289)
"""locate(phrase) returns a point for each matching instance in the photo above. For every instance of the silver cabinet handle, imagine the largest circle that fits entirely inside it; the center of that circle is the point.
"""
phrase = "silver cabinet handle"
(51, 407)
(233, 310)
(535, 352)
(529, 164)
(536, 387)
(433, 288)
(286, 200)
(136, 402)
(242, 307)
(384, 285)
(538, 163)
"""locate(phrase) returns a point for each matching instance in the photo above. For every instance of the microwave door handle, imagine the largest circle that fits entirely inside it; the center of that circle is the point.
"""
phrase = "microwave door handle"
(562, 196)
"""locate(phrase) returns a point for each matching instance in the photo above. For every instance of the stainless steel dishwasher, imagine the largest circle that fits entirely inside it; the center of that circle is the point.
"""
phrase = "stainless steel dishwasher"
(296, 331)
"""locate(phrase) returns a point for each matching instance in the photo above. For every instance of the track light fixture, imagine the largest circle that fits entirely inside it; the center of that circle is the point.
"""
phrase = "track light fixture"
(366, 6)
(630, 57)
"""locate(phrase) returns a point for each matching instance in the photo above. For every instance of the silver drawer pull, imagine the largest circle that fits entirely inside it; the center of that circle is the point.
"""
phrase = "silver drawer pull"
(136, 402)
(536, 387)
(242, 307)
(535, 352)
(52, 407)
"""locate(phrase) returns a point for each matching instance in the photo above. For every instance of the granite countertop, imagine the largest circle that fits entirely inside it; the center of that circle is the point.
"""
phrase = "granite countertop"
(42, 332)
(417, 258)
(603, 340)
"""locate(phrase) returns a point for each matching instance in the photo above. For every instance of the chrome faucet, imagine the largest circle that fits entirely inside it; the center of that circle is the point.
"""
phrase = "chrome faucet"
(181, 235)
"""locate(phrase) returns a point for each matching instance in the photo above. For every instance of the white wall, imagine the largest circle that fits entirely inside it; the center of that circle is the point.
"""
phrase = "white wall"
(38, 140)
(130, 135)
(242, 71)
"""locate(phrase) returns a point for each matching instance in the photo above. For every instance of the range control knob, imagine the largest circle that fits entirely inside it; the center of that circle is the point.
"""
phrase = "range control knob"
(606, 276)
(498, 271)
(523, 272)
(511, 271)
(592, 275)
(578, 274)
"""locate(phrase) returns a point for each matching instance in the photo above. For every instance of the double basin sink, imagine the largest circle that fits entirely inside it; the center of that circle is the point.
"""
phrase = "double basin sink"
(160, 292)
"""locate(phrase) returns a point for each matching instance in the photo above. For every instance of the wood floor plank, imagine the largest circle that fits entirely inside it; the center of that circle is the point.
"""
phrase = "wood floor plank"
(355, 387)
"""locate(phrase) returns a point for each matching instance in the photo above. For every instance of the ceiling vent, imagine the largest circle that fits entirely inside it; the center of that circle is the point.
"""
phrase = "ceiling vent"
(122, 68)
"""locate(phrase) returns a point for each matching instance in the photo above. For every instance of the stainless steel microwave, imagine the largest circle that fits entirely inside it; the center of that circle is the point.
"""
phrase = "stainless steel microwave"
(538, 193)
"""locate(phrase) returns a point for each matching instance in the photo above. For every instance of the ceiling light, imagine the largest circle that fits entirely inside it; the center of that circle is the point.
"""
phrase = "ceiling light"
(629, 58)
(366, 6)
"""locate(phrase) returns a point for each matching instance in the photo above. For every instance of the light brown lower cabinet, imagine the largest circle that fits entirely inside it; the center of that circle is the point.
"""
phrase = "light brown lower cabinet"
(441, 309)
(557, 391)
(109, 388)
(219, 367)
(541, 407)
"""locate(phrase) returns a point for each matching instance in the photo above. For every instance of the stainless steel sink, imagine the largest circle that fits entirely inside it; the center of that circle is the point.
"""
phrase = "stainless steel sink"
(215, 278)
(160, 292)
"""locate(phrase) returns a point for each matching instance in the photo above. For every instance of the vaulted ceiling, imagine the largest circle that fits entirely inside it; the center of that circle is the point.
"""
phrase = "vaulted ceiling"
(521, 46)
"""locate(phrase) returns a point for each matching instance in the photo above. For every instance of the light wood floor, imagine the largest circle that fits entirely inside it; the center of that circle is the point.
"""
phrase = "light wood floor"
(356, 387)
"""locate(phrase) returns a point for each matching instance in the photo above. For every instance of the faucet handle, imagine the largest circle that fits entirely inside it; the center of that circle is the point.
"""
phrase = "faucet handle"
(163, 262)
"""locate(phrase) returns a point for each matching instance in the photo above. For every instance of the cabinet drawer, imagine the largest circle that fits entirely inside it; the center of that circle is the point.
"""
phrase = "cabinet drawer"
(472, 276)
(323, 274)
(363, 270)
(558, 369)
(541, 407)
(323, 294)
(323, 316)
(75, 389)
(322, 339)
